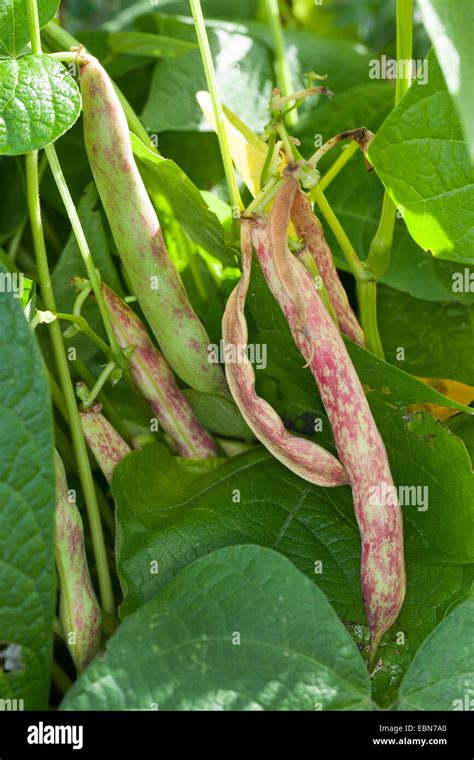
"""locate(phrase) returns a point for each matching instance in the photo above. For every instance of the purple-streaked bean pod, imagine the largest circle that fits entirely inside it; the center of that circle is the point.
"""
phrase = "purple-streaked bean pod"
(137, 234)
(107, 446)
(304, 457)
(156, 382)
(309, 228)
(358, 441)
(79, 611)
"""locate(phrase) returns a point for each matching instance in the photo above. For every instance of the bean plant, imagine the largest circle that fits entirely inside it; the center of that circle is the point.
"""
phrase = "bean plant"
(236, 376)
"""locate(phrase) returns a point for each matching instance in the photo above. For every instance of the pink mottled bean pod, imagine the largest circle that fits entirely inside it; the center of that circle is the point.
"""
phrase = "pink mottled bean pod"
(138, 237)
(309, 228)
(358, 441)
(305, 458)
(106, 444)
(156, 382)
(79, 611)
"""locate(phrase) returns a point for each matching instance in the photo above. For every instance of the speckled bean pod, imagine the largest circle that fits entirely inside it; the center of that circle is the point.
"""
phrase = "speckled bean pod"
(310, 230)
(107, 446)
(156, 382)
(305, 458)
(79, 611)
(137, 234)
(358, 441)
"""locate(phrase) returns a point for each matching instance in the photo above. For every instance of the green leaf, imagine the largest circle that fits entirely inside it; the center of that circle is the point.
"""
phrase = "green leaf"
(421, 157)
(450, 28)
(436, 338)
(244, 74)
(148, 45)
(27, 121)
(169, 187)
(27, 501)
(463, 426)
(356, 198)
(240, 629)
(441, 676)
(14, 32)
(195, 515)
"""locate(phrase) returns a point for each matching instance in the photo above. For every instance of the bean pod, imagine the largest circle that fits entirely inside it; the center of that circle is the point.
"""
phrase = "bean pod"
(79, 611)
(137, 234)
(305, 458)
(358, 441)
(156, 382)
(106, 444)
(309, 228)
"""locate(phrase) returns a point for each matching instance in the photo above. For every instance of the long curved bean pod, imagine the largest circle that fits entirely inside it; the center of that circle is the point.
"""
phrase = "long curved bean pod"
(79, 610)
(137, 234)
(358, 441)
(156, 382)
(305, 458)
(309, 228)
(106, 444)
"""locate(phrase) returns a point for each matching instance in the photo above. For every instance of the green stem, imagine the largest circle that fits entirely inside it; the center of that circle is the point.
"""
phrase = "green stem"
(338, 164)
(57, 396)
(58, 37)
(60, 677)
(367, 293)
(283, 74)
(108, 408)
(380, 251)
(33, 26)
(265, 196)
(82, 244)
(84, 327)
(32, 191)
(203, 41)
(99, 384)
(355, 264)
(103, 573)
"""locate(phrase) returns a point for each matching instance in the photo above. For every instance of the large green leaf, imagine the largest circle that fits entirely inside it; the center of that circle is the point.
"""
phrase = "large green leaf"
(441, 676)
(29, 121)
(27, 500)
(14, 32)
(243, 59)
(356, 197)
(437, 338)
(244, 73)
(171, 516)
(171, 190)
(421, 157)
(241, 629)
(450, 28)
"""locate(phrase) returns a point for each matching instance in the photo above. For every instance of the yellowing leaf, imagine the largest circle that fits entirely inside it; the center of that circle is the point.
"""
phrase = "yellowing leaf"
(247, 150)
(463, 394)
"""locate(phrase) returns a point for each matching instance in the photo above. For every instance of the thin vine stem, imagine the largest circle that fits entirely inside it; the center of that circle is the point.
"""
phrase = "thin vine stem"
(82, 244)
(33, 200)
(283, 73)
(355, 264)
(338, 165)
(77, 436)
(203, 41)
(380, 251)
